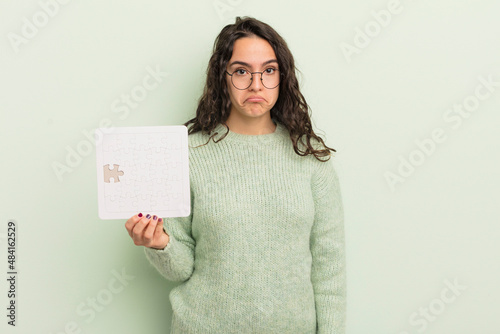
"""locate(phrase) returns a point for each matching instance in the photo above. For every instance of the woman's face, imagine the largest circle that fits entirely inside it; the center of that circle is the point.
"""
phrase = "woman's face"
(253, 54)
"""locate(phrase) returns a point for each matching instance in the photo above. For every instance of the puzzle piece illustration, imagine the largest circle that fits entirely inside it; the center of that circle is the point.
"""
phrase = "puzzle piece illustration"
(112, 173)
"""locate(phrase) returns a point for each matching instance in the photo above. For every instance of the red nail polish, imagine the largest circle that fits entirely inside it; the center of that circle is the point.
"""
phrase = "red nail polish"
(160, 220)
(148, 216)
(140, 214)
(154, 217)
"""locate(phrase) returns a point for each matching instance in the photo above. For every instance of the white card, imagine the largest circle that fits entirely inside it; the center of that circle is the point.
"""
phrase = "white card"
(143, 169)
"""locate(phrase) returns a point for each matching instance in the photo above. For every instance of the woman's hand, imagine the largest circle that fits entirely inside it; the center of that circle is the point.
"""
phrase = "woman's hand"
(147, 231)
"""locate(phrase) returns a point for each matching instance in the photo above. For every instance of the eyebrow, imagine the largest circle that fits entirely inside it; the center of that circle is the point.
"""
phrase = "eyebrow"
(236, 62)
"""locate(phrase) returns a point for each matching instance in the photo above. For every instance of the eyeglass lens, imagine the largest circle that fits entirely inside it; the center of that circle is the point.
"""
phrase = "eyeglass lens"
(242, 79)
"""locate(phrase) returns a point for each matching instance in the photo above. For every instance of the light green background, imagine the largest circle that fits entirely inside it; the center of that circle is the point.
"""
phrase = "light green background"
(441, 224)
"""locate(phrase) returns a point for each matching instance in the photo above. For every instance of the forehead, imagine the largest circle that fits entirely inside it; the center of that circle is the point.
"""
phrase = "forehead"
(252, 50)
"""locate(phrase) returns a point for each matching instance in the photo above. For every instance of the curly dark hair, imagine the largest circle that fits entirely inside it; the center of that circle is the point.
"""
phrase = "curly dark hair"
(290, 109)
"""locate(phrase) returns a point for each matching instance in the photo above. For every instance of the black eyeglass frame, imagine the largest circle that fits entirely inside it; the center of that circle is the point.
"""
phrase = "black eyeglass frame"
(251, 79)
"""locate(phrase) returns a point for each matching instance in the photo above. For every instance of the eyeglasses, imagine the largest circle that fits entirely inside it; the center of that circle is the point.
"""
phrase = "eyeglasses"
(242, 79)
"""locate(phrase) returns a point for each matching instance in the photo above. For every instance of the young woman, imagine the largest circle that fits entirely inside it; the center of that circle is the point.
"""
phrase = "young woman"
(262, 250)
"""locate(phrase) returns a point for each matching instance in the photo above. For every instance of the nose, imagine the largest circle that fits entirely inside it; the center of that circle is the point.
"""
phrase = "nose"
(256, 82)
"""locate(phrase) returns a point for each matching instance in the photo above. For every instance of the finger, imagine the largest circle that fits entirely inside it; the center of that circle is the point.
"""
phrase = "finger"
(138, 230)
(159, 227)
(149, 231)
(130, 223)
(159, 231)
(161, 238)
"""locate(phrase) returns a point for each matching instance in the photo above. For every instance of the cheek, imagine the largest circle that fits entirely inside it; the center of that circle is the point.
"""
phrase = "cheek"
(235, 95)
(231, 92)
(275, 96)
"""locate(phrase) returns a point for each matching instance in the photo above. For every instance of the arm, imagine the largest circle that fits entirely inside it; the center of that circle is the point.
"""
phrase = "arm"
(328, 274)
(176, 261)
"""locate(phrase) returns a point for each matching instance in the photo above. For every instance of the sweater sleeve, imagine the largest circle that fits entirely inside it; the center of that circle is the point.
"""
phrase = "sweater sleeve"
(176, 261)
(328, 272)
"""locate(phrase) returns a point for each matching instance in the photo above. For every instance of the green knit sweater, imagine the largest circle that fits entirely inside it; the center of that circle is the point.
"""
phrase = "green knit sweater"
(263, 248)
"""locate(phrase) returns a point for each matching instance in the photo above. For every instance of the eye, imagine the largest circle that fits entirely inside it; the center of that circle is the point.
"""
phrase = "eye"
(240, 72)
(270, 70)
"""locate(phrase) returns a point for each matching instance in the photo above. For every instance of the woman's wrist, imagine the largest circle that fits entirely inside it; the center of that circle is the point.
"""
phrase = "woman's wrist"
(166, 243)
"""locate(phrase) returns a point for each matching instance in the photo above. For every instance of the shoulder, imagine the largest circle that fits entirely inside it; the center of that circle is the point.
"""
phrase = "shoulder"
(323, 168)
(197, 139)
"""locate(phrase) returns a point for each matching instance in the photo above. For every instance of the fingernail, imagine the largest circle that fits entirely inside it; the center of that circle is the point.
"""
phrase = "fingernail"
(160, 220)
(140, 214)
(148, 216)
(154, 217)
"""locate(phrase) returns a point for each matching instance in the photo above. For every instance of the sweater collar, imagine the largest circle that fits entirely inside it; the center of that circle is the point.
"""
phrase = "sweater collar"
(279, 134)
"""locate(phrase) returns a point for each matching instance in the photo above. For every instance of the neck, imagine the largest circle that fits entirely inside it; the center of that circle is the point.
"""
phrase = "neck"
(251, 127)
(279, 134)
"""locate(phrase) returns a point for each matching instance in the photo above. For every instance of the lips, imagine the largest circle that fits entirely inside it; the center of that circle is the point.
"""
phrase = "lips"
(255, 98)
